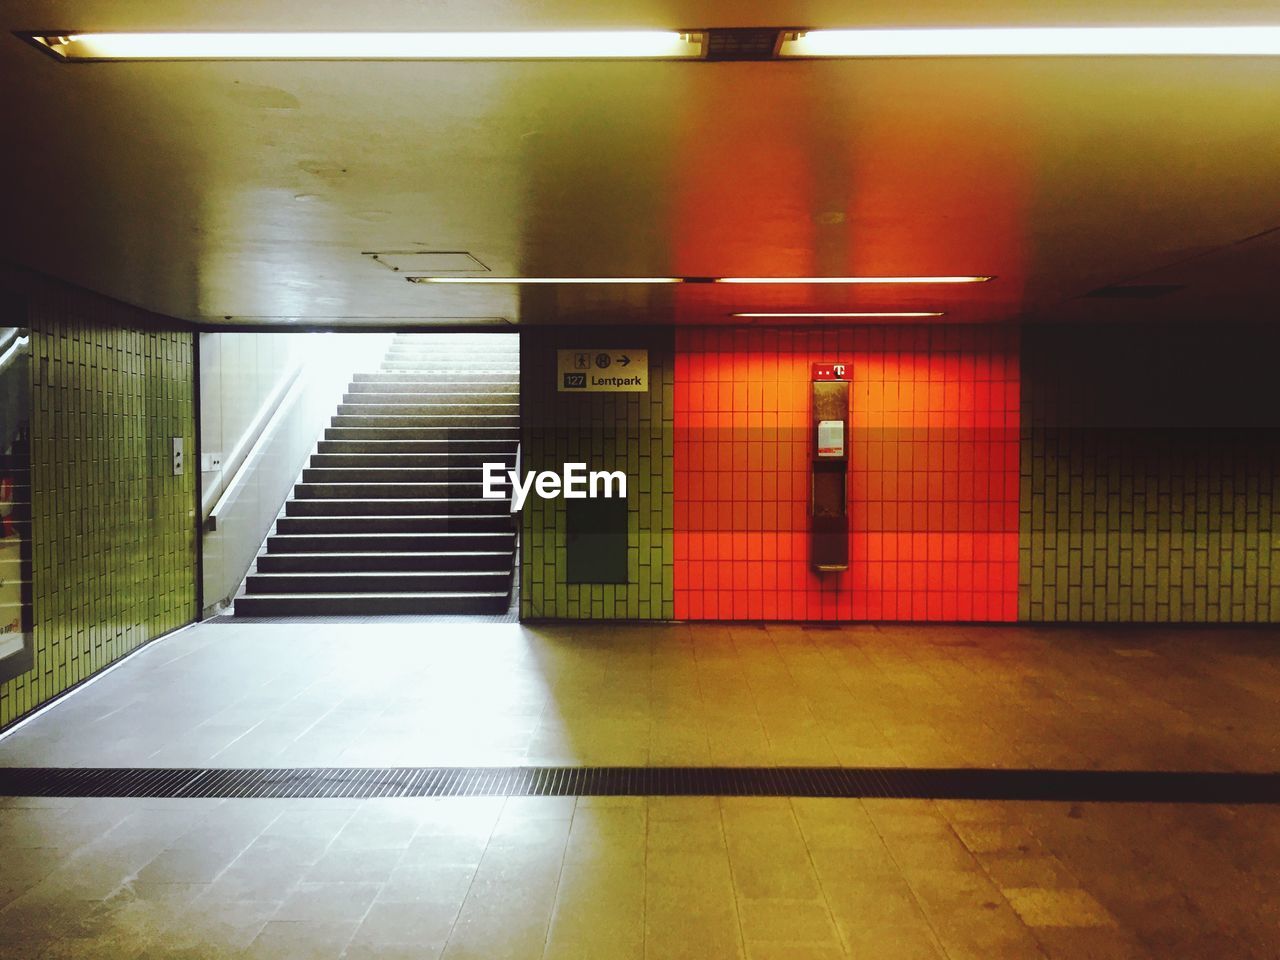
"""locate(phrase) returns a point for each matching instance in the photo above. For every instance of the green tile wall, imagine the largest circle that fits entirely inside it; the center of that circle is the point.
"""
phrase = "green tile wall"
(626, 431)
(113, 531)
(1150, 474)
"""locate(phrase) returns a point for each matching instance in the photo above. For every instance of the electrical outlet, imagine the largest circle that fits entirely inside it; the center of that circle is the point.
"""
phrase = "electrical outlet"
(177, 456)
(210, 462)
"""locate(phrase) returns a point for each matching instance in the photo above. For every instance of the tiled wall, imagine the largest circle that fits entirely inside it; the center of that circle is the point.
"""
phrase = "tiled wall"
(624, 431)
(1150, 474)
(113, 530)
(933, 476)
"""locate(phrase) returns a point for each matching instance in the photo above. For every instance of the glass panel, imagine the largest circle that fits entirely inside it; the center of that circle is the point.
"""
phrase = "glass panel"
(15, 501)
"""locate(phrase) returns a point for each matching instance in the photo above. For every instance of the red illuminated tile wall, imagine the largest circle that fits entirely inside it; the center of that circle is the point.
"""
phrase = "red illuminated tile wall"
(933, 482)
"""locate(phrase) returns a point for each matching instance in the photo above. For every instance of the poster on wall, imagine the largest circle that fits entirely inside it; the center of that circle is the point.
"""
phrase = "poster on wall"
(15, 501)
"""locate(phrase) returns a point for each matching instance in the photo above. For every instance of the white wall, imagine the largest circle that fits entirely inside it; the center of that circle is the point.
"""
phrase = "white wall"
(238, 374)
(263, 422)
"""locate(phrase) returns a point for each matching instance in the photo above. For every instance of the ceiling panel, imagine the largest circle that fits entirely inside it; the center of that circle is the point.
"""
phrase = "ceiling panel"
(252, 190)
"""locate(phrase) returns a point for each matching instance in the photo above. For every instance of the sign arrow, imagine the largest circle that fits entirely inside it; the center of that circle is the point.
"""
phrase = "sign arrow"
(624, 360)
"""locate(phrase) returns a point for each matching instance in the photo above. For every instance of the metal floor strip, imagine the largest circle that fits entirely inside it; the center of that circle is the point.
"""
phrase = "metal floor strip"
(1098, 786)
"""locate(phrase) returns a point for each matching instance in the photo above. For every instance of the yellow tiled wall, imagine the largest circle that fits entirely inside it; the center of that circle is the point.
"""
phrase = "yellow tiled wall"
(113, 529)
(1150, 474)
(624, 431)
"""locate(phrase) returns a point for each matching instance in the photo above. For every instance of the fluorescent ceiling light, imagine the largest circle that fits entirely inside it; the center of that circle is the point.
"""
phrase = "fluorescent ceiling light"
(557, 45)
(839, 315)
(544, 280)
(1036, 42)
(617, 280)
(664, 44)
(853, 279)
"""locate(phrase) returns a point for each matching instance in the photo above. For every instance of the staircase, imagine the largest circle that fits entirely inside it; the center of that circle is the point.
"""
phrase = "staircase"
(389, 516)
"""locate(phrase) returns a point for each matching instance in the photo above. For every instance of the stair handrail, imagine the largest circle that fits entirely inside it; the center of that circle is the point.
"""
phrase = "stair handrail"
(518, 472)
(260, 430)
(14, 347)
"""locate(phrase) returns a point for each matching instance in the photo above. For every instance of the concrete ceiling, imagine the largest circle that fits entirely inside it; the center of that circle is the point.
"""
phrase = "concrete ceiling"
(251, 190)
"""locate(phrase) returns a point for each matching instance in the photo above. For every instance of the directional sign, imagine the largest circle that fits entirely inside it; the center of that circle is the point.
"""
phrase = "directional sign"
(585, 370)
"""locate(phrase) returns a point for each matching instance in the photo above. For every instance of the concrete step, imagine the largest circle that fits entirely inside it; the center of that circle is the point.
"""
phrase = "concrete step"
(393, 476)
(371, 604)
(363, 490)
(419, 434)
(398, 561)
(457, 447)
(441, 396)
(436, 361)
(495, 389)
(427, 419)
(387, 507)
(402, 352)
(453, 365)
(392, 523)
(427, 461)
(479, 345)
(349, 543)
(481, 340)
(487, 581)
(428, 407)
(509, 378)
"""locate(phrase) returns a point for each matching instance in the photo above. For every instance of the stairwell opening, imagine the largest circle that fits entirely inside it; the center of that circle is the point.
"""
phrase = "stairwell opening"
(386, 515)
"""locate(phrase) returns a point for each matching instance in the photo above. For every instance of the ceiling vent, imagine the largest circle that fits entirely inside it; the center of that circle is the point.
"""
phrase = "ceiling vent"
(746, 43)
(428, 261)
(1134, 291)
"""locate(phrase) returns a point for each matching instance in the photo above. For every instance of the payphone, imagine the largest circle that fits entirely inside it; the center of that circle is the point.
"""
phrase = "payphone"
(829, 469)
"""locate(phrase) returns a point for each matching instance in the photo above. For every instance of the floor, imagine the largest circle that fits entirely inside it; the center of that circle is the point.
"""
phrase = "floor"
(654, 877)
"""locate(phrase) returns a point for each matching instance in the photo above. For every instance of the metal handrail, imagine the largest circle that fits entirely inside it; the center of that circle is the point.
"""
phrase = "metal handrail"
(262, 425)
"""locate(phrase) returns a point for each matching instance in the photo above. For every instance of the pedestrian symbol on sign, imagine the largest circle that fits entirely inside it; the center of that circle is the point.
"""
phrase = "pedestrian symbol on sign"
(582, 361)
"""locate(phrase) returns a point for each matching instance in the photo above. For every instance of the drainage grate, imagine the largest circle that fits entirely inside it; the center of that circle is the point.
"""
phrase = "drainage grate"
(1110, 786)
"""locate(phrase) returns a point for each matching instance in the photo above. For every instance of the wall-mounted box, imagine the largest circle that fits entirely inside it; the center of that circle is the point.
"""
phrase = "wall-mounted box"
(829, 470)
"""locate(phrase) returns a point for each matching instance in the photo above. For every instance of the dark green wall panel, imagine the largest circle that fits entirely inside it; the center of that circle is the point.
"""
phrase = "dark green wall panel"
(631, 432)
(1150, 483)
(113, 530)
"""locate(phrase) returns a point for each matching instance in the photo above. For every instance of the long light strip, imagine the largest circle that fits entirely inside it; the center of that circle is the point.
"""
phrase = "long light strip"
(853, 279)
(698, 280)
(523, 280)
(1168, 41)
(535, 45)
(1038, 42)
(815, 316)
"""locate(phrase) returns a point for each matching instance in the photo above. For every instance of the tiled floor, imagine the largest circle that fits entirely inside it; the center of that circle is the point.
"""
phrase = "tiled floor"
(420, 695)
(698, 877)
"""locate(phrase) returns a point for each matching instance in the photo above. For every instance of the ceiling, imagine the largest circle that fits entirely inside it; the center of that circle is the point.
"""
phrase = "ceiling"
(249, 192)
